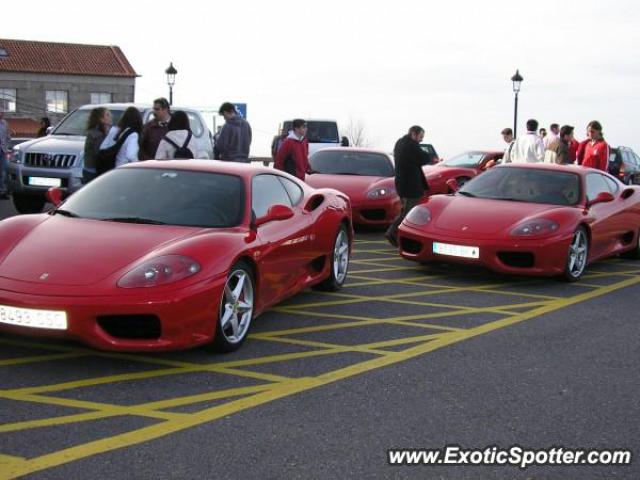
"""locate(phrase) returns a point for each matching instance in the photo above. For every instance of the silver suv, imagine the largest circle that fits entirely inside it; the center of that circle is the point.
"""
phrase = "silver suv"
(57, 159)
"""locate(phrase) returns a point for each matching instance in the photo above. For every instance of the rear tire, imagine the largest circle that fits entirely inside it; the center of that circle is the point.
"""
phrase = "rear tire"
(339, 262)
(24, 203)
(577, 255)
(236, 309)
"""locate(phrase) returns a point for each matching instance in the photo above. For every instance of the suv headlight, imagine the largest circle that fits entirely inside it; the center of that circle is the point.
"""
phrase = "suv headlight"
(16, 156)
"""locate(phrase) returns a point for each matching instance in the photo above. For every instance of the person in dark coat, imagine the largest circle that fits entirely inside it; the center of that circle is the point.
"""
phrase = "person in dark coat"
(293, 155)
(410, 182)
(234, 141)
(155, 129)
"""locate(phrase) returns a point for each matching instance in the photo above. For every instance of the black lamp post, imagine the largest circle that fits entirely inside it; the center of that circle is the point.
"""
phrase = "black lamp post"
(517, 80)
(171, 80)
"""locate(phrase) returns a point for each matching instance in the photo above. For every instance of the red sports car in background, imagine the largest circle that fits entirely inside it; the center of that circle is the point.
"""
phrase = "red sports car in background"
(534, 219)
(461, 168)
(366, 176)
(170, 254)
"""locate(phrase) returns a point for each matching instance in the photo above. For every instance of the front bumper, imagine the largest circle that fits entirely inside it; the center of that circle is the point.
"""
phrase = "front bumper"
(187, 317)
(19, 175)
(515, 256)
(375, 212)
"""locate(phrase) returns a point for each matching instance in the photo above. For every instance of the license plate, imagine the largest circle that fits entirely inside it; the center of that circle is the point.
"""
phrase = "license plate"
(29, 317)
(456, 250)
(45, 182)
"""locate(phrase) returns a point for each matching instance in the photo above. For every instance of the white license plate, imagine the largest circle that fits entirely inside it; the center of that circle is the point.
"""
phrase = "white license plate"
(29, 317)
(456, 250)
(45, 182)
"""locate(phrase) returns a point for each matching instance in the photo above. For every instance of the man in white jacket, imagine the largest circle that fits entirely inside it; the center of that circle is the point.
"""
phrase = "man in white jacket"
(528, 148)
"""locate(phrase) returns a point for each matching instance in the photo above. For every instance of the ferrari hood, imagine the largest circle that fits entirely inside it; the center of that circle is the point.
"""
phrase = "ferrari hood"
(475, 216)
(71, 251)
(355, 186)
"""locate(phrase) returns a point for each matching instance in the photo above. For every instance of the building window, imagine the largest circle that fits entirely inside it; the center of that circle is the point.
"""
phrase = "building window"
(101, 97)
(8, 99)
(57, 101)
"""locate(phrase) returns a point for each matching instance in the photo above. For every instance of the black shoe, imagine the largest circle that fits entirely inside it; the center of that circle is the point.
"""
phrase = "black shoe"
(392, 240)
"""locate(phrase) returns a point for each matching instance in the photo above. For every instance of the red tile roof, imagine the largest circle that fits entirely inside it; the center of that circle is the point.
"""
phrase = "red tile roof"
(64, 58)
(23, 127)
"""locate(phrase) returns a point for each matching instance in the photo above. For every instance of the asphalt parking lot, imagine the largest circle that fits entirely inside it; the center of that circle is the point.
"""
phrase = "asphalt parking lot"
(328, 381)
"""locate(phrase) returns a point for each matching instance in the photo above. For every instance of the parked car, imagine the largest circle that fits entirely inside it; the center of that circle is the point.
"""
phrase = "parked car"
(365, 175)
(624, 164)
(527, 219)
(56, 160)
(320, 134)
(161, 255)
(461, 168)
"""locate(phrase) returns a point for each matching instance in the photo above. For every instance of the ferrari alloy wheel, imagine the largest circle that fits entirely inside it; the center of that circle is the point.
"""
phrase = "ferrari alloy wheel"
(339, 262)
(236, 309)
(577, 255)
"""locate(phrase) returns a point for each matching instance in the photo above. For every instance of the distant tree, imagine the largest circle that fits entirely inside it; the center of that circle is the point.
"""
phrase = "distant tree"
(356, 133)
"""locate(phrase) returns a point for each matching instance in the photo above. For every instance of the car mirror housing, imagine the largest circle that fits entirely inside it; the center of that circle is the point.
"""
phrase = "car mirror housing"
(602, 197)
(55, 195)
(452, 183)
(275, 213)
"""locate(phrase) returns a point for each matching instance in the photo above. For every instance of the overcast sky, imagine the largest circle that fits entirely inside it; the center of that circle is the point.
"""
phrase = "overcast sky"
(386, 64)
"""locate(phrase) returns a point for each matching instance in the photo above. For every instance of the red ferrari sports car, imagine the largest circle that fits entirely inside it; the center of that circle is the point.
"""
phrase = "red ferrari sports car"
(534, 219)
(365, 175)
(163, 255)
(461, 168)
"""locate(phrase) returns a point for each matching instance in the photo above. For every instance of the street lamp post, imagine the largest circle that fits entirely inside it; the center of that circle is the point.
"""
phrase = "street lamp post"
(171, 80)
(517, 80)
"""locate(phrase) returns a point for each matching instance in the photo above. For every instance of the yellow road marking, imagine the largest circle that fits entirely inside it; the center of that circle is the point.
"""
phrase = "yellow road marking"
(290, 387)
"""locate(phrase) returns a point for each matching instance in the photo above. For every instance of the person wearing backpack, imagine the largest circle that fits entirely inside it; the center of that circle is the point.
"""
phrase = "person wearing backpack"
(122, 143)
(179, 141)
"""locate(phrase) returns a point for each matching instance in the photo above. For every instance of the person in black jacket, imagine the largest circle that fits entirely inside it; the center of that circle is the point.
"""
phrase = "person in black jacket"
(410, 182)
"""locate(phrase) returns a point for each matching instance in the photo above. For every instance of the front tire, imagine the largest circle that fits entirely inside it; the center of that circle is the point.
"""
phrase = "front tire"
(339, 262)
(24, 203)
(577, 255)
(236, 309)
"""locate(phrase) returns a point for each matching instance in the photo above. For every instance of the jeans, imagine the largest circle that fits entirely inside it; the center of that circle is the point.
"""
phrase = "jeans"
(4, 166)
(407, 204)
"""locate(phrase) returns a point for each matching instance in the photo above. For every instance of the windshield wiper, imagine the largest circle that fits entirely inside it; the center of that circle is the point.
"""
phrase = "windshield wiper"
(509, 199)
(66, 213)
(467, 194)
(64, 133)
(146, 221)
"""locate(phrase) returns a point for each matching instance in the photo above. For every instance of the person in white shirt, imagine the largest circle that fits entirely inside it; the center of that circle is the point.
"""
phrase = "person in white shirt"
(507, 136)
(528, 148)
(554, 132)
(130, 120)
(179, 129)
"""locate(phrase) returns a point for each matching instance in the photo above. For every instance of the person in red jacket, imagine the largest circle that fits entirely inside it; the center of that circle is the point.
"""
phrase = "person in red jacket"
(596, 150)
(293, 155)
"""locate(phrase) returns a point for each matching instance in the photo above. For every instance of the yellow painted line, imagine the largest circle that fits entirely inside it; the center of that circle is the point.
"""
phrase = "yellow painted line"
(403, 341)
(8, 462)
(39, 358)
(333, 346)
(285, 389)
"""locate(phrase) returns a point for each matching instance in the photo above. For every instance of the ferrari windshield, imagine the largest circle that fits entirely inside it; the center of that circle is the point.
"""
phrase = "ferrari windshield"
(525, 185)
(465, 160)
(345, 162)
(160, 196)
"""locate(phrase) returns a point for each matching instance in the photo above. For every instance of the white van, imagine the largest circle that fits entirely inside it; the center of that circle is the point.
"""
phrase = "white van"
(320, 134)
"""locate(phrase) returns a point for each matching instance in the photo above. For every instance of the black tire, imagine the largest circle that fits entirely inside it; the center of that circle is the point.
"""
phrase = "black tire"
(24, 203)
(236, 309)
(577, 255)
(339, 262)
(633, 254)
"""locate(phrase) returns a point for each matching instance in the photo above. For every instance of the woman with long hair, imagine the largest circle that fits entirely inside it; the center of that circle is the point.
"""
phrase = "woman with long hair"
(179, 135)
(131, 121)
(596, 150)
(97, 127)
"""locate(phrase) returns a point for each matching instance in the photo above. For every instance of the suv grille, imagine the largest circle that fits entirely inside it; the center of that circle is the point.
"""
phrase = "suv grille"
(45, 160)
